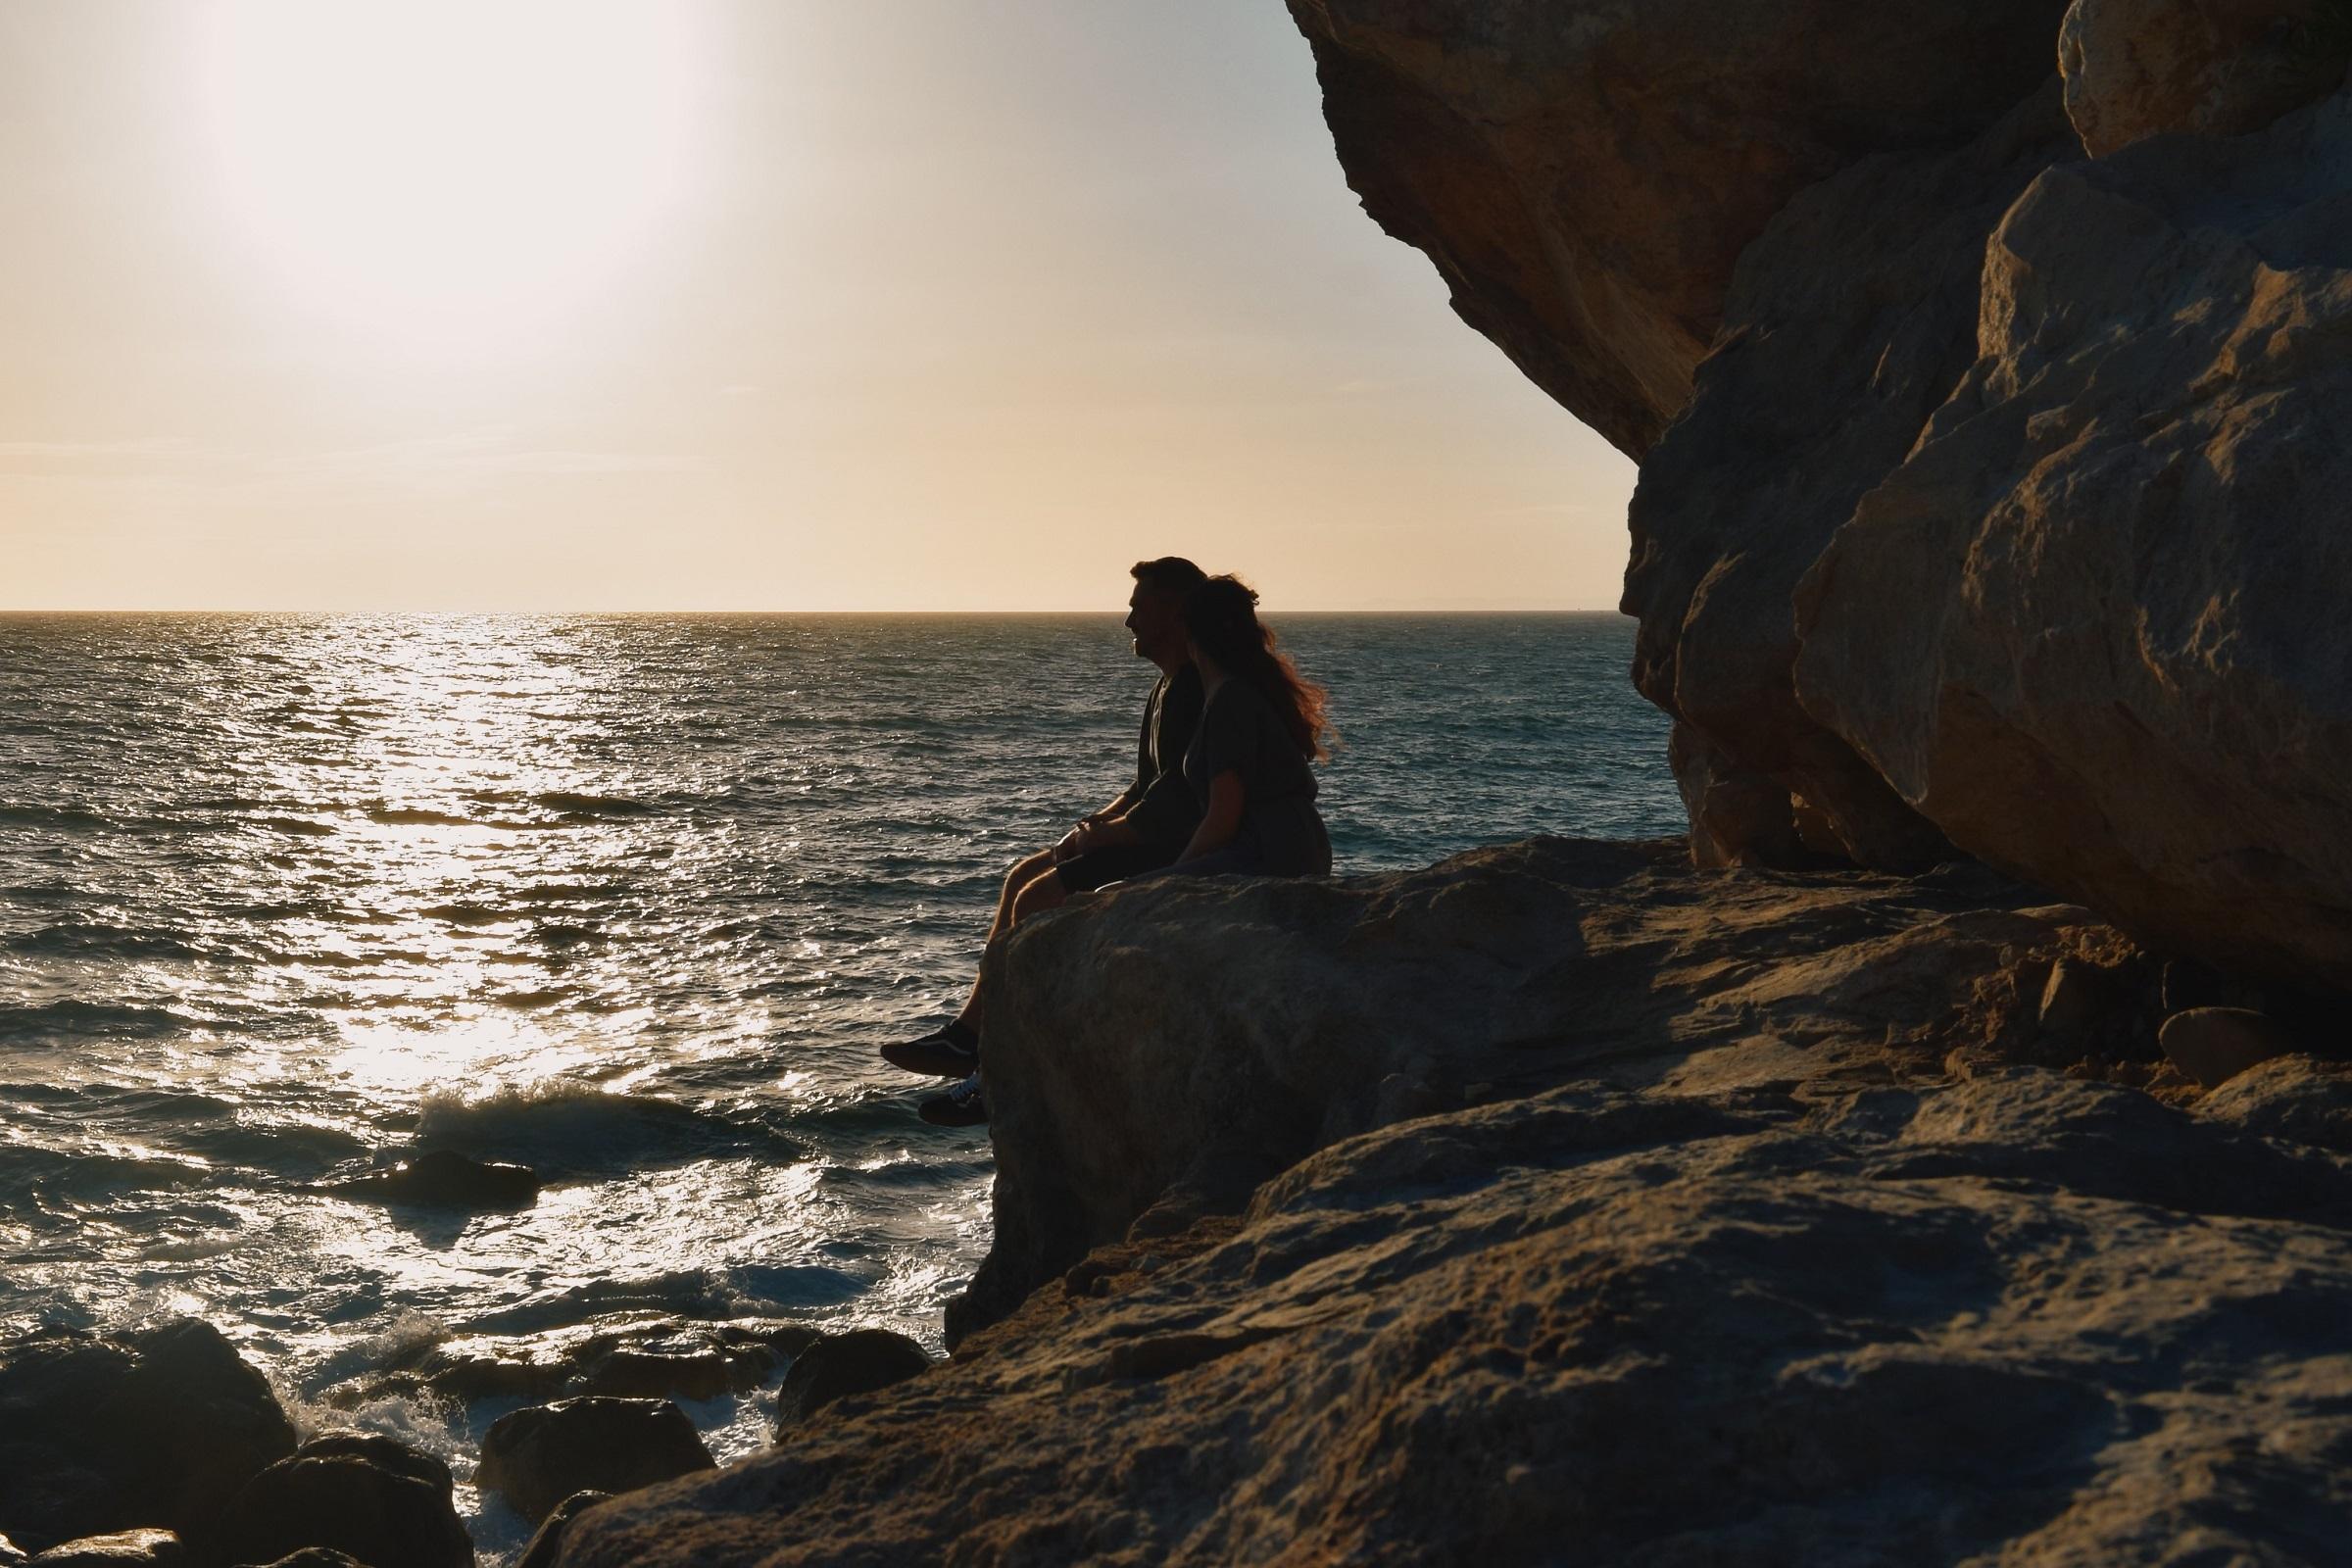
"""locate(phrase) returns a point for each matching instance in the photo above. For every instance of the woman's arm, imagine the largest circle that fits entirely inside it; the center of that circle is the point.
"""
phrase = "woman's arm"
(1221, 820)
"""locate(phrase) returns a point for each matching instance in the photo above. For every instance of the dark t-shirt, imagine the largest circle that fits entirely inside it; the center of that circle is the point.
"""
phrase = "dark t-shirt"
(1242, 732)
(1161, 807)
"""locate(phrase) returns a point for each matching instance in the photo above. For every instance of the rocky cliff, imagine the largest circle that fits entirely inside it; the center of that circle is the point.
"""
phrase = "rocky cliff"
(1721, 1201)
(1632, 1213)
(1986, 495)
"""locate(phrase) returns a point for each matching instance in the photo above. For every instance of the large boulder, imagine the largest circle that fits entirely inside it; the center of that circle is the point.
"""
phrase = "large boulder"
(1586, 174)
(840, 1365)
(1850, 319)
(537, 1456)
(153, 1427)
(370, 1496)
(2092, 626)
(1252, 1022)
(2137, 68)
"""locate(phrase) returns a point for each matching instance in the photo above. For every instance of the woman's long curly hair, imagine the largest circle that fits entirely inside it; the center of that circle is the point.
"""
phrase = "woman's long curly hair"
(1221, 617)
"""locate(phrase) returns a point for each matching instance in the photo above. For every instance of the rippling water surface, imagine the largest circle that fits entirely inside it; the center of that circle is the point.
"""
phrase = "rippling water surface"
(631, 900)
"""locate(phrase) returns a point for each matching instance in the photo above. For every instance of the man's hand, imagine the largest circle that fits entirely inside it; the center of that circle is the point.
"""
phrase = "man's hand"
(1076, 842)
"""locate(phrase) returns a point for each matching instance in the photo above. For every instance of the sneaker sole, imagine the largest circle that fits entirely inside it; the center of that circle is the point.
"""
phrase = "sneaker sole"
(932, 1057)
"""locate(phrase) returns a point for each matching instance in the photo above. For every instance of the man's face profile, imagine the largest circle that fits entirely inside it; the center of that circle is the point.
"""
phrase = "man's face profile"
(1154, 620)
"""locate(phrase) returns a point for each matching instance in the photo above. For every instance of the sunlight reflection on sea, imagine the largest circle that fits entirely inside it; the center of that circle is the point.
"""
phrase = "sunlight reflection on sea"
(629, 900)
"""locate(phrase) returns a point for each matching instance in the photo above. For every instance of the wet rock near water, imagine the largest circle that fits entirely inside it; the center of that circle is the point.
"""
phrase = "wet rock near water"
(649, 1357)
(154, 1427)
(840, 1365)
(547, 1541)
(538, 1457)
(368, 1495)
(127, 1548)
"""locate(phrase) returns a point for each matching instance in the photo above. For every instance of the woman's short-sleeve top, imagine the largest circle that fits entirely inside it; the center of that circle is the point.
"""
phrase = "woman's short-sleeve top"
(1240, 731)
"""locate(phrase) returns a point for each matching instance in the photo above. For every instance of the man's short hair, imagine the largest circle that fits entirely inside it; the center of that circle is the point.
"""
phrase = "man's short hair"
(1171, 575)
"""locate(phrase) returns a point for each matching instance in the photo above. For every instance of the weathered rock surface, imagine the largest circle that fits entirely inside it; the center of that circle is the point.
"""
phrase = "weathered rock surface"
(2137, 68)
(1851, 319)
(356, 1493)
(155, 1426)
(537, 1456)
(2297, 1099)
(1795, 1269)
(840, 1365)
(1486, 975)
(125, 1548)
(2091, 627)
(2214, 1044)
(1586, 174)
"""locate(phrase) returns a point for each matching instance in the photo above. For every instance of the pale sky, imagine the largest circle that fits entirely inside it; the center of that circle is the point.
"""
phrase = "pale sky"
(733, 304)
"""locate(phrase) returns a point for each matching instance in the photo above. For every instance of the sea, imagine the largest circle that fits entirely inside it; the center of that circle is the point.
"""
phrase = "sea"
(631, 900)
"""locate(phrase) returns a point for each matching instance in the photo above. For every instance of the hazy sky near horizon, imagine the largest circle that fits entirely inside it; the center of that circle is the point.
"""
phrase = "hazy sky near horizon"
(733, 304)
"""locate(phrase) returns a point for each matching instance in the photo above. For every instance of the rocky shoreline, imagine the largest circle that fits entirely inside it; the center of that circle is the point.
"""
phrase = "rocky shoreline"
(1562, 1200)
(1817, 1188)
(1639, 1214)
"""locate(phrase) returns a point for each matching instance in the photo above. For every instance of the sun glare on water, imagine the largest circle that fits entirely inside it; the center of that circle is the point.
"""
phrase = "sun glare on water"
(446, 179)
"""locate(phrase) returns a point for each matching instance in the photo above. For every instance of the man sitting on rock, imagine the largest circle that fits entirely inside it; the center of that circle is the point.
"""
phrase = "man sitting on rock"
(1142, 830)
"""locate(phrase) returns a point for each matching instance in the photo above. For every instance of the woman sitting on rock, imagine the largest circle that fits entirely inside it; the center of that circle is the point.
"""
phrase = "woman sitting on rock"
(1261, 727)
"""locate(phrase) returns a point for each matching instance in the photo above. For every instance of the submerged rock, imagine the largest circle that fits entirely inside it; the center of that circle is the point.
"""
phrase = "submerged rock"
(538, 1457)
(446, 1179)
(369, 1495)
(639, 1357)
(153, 1427)
(839, 1365)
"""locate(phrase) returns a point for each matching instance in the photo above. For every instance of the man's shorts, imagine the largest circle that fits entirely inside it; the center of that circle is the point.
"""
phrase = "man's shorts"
(1083, 874)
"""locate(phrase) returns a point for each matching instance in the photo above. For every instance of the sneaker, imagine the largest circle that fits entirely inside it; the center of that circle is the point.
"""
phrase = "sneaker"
(960, 1107)
(952, 1051)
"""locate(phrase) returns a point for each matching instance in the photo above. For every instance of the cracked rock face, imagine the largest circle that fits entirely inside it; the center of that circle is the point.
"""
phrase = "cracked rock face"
(1585, 173)
(1989, 495)
(2093, 625)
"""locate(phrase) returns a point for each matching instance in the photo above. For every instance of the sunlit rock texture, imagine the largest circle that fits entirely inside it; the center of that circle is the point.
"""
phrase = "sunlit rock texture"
(2093, 625)
(1987, 500)
(1638, 1214)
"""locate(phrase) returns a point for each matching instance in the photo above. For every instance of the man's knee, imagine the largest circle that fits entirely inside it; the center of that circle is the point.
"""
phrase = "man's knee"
(1040, 893)
(1028, 870)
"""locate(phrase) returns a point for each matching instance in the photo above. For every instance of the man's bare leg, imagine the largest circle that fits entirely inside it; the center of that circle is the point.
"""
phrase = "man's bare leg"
(1039, 867)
